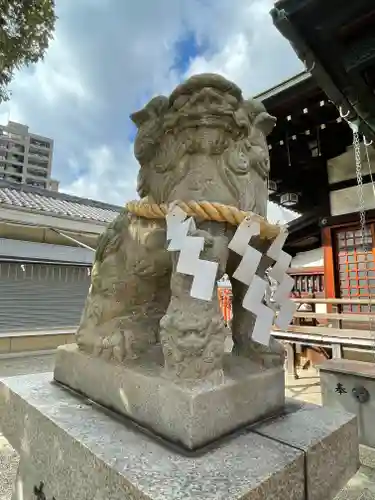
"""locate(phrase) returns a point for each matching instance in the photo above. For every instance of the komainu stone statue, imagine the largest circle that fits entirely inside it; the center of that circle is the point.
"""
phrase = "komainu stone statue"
(204, 144)
(157, 408)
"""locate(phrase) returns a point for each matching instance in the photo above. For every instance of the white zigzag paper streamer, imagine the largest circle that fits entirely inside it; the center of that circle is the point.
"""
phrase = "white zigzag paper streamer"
(282, 259)
(253, 302)
(246, 273)
(286, 283)
(203, 271)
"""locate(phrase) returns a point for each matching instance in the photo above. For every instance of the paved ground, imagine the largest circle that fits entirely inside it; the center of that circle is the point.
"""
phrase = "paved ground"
(8, 458)
(10, 367)
(361, 487)
(306, 388)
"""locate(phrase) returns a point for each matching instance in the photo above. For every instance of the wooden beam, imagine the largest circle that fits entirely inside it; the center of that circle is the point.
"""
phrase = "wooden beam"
(329, 332)
(329, 265)
(354, 317)
(291, 364)
(354, 302)
(372, 250)
(306, 271)
(336, 351)
(323, 341)
(344, 220)
(347, 183)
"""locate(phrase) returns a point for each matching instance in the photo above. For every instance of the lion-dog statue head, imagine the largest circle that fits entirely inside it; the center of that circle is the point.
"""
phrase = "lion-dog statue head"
(204, 142)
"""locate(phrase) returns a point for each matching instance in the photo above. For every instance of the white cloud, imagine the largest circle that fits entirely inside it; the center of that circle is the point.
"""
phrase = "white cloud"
(109, 57)
(230, 62)
(11, 112)
(57, 77)
(106, 177)
(252, 52)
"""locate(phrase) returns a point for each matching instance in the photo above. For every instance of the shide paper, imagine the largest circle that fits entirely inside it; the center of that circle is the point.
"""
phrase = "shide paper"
(246, 273)
(203, 271)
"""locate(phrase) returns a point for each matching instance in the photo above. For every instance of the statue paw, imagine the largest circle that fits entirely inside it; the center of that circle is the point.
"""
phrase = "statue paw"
(110, 347)
(269, 357)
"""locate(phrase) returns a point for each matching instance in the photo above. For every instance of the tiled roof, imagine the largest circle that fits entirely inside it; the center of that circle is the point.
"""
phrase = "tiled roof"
(53, 203)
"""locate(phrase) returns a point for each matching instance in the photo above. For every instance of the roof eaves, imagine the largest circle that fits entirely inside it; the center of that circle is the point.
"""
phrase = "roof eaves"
(285, 85)
(56, 214)
(303, 221)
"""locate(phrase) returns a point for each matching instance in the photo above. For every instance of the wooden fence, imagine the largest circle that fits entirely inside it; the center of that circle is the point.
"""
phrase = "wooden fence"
(331, 330)
(324, 327)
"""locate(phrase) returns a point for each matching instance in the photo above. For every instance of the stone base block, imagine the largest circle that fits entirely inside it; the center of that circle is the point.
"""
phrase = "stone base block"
(367, 456)
(191, 414)
(350, 385)
(71, 449)
(329, 440)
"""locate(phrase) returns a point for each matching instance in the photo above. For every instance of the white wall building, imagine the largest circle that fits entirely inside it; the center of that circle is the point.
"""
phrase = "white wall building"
(26, 157)
(47, 242)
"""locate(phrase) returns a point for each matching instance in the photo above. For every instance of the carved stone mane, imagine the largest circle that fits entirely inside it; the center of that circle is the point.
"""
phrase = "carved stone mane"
(204, 142)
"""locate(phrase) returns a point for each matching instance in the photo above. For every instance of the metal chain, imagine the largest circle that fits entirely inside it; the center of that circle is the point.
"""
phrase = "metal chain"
(361, 198)
(362, 211)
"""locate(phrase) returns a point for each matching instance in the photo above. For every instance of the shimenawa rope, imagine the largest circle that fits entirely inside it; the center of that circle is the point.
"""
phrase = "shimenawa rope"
(204, 210)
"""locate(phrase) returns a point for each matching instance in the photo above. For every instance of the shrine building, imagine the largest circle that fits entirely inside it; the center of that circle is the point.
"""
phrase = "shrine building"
(315, 168)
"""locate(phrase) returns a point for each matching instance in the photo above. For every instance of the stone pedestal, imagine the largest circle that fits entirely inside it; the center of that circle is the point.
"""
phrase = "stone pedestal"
(189, 413)
(350, 385)
(71, 449)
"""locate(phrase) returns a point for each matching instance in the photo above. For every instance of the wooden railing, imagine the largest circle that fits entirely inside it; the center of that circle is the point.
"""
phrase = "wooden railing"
(334, 330)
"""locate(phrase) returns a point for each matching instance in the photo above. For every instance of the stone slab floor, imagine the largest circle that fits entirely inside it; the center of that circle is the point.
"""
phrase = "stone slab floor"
(361, 487)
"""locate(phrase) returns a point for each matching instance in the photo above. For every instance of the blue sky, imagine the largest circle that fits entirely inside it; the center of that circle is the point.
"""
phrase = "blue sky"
(109, 57)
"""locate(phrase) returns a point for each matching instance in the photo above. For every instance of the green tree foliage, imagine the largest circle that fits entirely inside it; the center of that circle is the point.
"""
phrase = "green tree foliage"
(26, 28)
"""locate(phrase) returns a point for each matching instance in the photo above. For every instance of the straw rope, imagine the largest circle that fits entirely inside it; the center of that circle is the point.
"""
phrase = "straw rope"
(204, 210)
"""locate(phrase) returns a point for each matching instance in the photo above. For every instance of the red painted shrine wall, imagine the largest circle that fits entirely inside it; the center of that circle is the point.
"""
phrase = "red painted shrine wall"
(307, 281)
(349, 270)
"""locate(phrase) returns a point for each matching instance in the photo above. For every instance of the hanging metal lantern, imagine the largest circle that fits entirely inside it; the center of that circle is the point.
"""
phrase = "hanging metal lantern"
(272, 187)
(289, 199)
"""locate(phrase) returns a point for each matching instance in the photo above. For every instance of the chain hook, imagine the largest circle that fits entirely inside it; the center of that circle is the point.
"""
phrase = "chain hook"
(354, 126)
(367, 144)
(342, 114)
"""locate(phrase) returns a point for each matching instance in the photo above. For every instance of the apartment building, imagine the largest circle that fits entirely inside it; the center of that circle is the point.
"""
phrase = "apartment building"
(26, 158)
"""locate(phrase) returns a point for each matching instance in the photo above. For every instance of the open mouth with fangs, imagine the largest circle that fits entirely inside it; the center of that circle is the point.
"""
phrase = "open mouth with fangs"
(194, 119)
